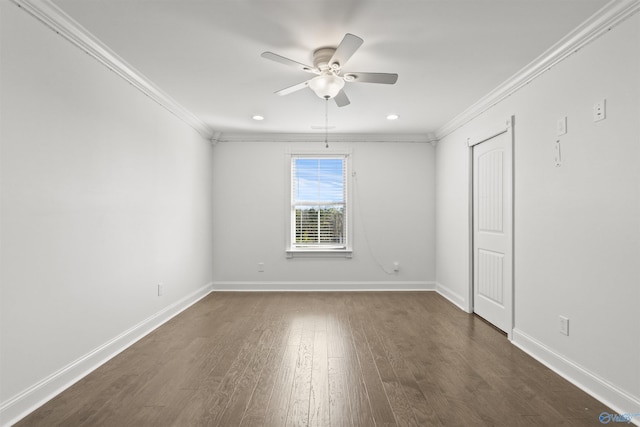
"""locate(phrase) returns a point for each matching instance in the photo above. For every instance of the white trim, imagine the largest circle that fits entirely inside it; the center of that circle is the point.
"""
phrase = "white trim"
(489, 135)
(319, 253)
(619, 400)
(469, 305)
(454, 297)
(612, 14)
(317, 152)
(22, 404)
(319, 137)
(56, 19)
(322, 286)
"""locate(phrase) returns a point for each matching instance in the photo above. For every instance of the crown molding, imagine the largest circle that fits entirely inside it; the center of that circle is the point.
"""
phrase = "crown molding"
(320, 137)
(56, 19)
(612, 14)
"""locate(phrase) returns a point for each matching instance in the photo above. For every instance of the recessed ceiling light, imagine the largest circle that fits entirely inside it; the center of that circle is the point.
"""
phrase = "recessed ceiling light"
(393, 117)
(257, 117)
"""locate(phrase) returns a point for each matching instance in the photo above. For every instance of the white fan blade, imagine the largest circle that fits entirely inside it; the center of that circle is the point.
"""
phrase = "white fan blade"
(290, 62)
(341, 99)
(345, 50)
(294, 88)
(384, 78)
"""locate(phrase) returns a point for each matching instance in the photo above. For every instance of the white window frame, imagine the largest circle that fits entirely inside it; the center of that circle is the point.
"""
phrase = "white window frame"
(293, 250)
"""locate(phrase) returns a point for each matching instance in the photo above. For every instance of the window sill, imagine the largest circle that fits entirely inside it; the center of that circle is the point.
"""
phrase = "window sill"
(319, 253)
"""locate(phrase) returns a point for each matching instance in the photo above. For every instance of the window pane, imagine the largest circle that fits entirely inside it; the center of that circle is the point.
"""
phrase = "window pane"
(318, 225)
(306, 225)
(318, 180)
(332, 225)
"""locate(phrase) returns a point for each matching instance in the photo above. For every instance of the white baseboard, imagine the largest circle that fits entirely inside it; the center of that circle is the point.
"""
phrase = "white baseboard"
(618, 400)
(19, 406)
(452, 296)
(318, 286)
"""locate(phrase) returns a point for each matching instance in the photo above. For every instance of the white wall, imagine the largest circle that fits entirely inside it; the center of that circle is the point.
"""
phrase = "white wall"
(392, 211)
(577, 227)
(104, 194)
(452, 220)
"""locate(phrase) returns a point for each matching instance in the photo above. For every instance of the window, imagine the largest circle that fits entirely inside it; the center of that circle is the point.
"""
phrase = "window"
(319, 210)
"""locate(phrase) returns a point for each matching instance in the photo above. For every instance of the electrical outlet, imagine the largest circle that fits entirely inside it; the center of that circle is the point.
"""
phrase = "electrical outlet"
(160, 289)
(260, 267)
(599, 110)
(564, 325)
(396, 266)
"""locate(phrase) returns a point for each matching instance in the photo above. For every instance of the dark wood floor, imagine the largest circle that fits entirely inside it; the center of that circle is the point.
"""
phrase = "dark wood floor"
(322, 359)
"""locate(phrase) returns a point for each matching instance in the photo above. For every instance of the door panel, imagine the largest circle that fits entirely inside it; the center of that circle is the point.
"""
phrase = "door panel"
(491, 194)
(490, 275)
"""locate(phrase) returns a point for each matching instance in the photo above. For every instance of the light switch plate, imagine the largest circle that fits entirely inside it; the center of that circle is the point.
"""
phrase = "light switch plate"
(564, 325)
(561, 126)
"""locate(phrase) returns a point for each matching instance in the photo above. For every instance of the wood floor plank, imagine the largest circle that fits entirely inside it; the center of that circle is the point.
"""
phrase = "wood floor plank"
(331, 359)
(319, 393)
(255, 411)
(402, 410)
(335, 336)
(217, 365)
(298, 414)
(256, 344)
(422, 410)
(237, 404)
(380, 406)
(339, 410)
(278, 405)
(361, 412)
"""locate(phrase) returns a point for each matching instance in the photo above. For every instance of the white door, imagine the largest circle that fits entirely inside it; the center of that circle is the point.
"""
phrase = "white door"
(492, 229)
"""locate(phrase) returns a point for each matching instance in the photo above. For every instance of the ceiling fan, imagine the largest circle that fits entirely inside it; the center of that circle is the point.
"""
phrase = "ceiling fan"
(330, 78)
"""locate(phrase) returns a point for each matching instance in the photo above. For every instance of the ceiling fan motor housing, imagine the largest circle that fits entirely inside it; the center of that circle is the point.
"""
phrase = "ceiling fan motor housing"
(321, 58)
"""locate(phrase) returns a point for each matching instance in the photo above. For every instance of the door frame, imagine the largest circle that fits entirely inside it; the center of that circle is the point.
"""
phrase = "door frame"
(508, 128)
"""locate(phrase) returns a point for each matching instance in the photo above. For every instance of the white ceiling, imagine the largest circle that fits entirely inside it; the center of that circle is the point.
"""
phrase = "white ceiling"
(448, 54)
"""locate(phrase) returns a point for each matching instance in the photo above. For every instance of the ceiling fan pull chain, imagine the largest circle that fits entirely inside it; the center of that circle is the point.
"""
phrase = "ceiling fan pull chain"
(326, 122)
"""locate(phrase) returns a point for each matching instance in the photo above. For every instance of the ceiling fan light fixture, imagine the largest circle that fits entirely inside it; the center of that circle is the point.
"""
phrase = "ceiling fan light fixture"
(326, 86)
